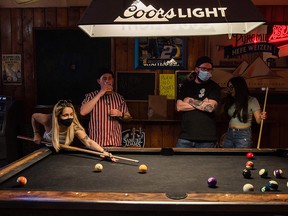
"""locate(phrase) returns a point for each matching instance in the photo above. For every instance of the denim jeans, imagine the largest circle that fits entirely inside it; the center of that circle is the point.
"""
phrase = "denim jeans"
(183, 143)
(238, 138)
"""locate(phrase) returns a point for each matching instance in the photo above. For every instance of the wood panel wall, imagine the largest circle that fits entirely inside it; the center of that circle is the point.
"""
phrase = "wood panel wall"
(16, 26)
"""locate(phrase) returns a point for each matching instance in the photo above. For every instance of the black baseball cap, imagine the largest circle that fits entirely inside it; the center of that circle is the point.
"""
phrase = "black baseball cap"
(202, 60)
(102, 71)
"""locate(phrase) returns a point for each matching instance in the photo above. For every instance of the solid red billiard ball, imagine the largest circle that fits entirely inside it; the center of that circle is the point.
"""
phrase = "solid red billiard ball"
(212, 181)
(21, 180)
(250, 155)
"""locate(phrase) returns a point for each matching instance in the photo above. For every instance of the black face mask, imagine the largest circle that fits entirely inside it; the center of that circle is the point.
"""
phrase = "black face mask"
(66, 122)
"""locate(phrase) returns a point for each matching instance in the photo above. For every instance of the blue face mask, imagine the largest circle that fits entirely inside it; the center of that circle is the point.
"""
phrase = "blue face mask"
(204, 75)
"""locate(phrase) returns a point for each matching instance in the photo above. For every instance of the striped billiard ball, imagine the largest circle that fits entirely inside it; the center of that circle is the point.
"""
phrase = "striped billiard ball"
(263, 173)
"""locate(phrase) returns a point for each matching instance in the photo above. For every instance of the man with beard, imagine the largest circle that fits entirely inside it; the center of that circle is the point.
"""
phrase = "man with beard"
(197, 100)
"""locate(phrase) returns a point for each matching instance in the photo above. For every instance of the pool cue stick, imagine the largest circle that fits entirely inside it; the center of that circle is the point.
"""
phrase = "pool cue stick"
(261, 125)
(94, 152)
(79, 149)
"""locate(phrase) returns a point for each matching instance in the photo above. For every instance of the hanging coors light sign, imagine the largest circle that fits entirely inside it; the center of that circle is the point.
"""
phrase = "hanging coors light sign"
(138, 12)
(169, 18)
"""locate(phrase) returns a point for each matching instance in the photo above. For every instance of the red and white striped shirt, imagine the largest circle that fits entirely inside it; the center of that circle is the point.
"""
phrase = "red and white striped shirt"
(104, 129)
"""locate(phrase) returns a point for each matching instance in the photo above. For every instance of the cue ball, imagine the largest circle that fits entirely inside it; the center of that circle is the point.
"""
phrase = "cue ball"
(278, 173)
(249, 165)
(250, 155)
(263, 173)
(142, 168)
(212, 181)
(98, 167)
(248, 188)
(21, 180)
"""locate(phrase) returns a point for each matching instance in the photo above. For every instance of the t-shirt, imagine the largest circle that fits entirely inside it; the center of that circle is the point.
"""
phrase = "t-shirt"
(253, 106)
(199, 125)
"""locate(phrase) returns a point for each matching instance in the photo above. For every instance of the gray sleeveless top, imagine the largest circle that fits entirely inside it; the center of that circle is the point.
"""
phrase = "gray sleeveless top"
(47, 136)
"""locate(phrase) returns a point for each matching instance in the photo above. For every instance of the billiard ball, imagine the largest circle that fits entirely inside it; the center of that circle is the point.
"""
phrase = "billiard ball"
(249, 165)
(143, 168)
(250, 155)
(273, 185)
(212, 181)
(263, 173)
(278, 173)
(98, 167)
(21, 180)
(264, 189)
(248, 188)
(246, 173)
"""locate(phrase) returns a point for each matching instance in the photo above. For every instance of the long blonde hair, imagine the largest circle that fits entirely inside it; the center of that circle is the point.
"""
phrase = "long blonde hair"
(57, 111)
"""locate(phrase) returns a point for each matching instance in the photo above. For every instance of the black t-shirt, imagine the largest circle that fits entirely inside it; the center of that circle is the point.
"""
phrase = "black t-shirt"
(199, 125)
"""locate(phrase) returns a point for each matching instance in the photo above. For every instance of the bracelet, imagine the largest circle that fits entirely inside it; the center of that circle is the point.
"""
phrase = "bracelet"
(35, 132)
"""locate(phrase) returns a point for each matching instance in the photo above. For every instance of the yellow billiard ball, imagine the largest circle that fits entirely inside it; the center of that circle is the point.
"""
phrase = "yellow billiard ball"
(143, 168)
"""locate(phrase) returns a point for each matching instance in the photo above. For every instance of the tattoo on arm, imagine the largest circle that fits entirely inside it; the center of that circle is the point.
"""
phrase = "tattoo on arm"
(194, 102)
(209, 108)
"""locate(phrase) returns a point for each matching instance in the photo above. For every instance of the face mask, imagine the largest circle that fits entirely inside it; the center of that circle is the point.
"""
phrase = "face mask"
(66, 122)
(204, 75)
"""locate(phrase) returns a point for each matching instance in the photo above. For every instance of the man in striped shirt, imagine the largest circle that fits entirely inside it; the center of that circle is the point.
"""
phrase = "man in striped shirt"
(106, 108)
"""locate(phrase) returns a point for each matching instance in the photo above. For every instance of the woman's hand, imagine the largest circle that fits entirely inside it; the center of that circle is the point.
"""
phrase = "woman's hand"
(37, 138)
(106, 154)
(263, 115)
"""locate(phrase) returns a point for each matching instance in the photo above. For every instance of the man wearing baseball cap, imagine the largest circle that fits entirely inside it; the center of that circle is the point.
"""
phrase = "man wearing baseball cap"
(197, 100)
(106, 108)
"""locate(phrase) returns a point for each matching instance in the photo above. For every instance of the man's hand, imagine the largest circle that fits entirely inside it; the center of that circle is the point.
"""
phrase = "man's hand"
(115, 113)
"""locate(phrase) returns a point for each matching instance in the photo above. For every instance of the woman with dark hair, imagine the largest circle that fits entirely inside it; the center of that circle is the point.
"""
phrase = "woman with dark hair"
(62, 126)
(241, 107)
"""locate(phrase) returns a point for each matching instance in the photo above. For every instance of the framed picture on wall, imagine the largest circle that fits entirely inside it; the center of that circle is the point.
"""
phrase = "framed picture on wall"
(136, 86)
(160, 53)
(11, 69)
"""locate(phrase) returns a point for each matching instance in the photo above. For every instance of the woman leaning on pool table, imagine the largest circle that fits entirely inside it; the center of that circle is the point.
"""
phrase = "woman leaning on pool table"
(62, 126)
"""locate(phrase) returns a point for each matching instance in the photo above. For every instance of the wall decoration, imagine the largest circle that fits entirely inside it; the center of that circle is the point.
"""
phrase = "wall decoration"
(133, 138)
(11, 69)
(167, 85)
(160, 53)
(136, 86)
(267, 41)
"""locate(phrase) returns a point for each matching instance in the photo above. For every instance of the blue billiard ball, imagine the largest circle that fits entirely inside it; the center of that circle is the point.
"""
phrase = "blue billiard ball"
(273, 185)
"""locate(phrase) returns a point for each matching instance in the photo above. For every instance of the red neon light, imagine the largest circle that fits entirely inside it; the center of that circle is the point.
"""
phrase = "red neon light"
(279, 34)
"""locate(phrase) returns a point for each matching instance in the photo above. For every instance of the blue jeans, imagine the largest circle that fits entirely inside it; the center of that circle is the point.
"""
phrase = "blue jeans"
(183, 143)
(238, 138)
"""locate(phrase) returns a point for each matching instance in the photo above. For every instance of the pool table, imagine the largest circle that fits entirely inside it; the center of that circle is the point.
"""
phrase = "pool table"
(175, 183)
